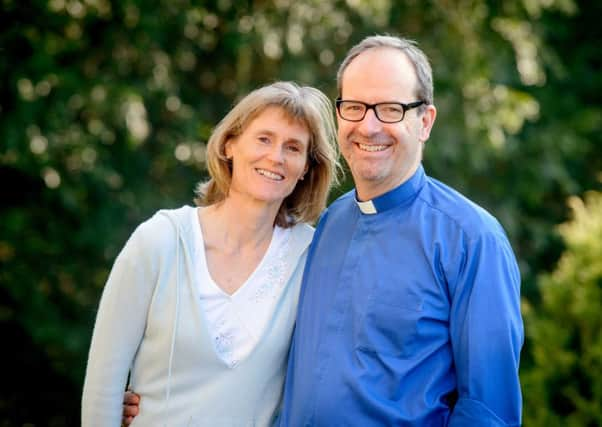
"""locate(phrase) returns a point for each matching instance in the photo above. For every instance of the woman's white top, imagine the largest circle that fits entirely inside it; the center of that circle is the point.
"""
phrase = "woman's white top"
(236, 321)
(152, 323)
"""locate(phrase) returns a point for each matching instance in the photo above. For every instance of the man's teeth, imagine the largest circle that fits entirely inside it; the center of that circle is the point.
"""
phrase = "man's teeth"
(372, 148)
(270, 175)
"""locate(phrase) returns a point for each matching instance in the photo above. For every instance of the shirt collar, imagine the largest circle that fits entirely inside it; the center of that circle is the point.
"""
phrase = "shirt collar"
(405, 191)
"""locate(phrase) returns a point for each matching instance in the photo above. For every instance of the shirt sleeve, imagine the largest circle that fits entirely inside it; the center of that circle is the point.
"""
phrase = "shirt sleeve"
(119, 327)
(487, 334)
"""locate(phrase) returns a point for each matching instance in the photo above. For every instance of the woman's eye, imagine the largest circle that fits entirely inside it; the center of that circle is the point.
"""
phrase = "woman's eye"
(294, 148)
(264, 139)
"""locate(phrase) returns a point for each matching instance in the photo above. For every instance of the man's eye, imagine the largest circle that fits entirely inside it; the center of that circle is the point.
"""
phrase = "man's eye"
(395, 109)
(352, 108)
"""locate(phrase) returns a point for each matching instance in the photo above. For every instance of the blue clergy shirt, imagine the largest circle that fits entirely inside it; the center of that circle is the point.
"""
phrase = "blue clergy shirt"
(409, 315)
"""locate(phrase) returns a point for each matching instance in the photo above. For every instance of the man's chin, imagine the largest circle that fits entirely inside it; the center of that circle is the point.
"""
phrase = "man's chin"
(370, 181)
(369, 176)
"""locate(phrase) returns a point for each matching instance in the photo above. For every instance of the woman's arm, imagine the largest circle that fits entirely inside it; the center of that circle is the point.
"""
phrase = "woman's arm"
(118, 331)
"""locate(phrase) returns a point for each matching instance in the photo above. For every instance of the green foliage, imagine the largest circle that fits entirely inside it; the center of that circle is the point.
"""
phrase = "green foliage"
(106, 106)
(564, 386)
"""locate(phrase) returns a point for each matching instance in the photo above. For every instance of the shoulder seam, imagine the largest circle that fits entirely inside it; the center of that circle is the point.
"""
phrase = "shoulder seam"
(470, 236)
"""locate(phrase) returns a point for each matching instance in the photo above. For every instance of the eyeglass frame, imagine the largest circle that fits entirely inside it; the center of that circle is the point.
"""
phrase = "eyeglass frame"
(404, 107)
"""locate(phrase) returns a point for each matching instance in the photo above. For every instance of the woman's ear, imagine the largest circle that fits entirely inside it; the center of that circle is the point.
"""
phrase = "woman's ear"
(305, 169)
(228, 148)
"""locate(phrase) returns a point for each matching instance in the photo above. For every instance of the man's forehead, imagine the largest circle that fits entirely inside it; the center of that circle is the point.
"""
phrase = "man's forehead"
(375, 58)
(378, 75)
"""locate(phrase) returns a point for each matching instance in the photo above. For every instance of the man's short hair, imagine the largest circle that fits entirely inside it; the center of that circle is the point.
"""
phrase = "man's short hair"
(410, 48)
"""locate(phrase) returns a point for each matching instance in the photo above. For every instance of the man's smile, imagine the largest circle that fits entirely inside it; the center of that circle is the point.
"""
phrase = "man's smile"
(372, 148)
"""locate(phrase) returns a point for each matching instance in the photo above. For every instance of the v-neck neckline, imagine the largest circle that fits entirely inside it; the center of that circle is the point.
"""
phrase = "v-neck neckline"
(202, 273)
(202, 256)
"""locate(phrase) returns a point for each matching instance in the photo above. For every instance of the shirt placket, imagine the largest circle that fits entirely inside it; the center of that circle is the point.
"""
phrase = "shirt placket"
(339, 313)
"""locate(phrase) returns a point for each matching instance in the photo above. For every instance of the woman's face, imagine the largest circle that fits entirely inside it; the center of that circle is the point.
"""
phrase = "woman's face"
(268, 157)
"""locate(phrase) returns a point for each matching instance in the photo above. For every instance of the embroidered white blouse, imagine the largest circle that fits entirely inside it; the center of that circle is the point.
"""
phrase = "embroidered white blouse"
(237, 321)
(150, 323)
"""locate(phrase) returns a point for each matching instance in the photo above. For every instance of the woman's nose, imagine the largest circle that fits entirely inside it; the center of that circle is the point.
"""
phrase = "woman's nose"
(276, 153)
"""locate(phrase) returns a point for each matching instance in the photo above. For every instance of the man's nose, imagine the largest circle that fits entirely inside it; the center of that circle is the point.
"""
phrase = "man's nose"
(370, 124)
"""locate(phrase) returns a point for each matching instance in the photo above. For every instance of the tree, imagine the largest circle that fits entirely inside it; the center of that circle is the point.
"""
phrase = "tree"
(105, 107)
(564, 385)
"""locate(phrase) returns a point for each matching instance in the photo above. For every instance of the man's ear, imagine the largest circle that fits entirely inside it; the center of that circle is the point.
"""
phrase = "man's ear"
(427, 121)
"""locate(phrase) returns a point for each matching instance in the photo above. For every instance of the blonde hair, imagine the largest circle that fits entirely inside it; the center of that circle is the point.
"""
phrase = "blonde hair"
(302, 104)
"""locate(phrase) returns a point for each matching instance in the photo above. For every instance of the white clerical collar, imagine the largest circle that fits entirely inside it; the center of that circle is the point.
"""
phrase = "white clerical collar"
(367, 207)
(403, 193)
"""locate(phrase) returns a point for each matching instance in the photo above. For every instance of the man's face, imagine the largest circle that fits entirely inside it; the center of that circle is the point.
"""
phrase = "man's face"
(382, 155)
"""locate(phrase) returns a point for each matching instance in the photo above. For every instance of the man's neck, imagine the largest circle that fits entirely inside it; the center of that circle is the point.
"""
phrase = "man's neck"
(368, 191)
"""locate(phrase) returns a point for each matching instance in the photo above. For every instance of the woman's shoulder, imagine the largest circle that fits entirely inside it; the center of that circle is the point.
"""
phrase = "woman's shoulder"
(303, 229)
(301, 235)
(159, 232)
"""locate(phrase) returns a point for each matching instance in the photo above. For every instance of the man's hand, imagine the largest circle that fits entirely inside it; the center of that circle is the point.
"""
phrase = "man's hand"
(130, 407)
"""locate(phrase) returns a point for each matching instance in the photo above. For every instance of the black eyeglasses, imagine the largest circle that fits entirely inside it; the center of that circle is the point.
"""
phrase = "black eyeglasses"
(386, 112)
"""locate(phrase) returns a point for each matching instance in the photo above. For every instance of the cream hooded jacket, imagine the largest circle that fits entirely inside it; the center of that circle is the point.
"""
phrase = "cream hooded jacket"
(149, 323)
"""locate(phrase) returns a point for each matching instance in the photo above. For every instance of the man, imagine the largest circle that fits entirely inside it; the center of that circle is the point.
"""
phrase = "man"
(409, 311)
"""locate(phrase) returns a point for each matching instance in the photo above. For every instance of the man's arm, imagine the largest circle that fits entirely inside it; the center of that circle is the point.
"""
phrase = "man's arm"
(487, 335)
(131, 402)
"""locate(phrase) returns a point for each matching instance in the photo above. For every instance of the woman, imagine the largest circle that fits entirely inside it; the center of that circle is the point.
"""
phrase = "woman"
(200, 305)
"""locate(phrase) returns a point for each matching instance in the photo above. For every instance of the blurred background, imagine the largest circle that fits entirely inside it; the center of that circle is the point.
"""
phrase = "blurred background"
(106, 106)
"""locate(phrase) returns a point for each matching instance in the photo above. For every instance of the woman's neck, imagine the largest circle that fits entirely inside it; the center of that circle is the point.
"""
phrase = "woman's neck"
(232, 225)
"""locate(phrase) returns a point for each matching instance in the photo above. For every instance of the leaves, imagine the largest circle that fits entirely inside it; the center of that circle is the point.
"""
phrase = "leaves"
(565, 330)
(105, 109)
